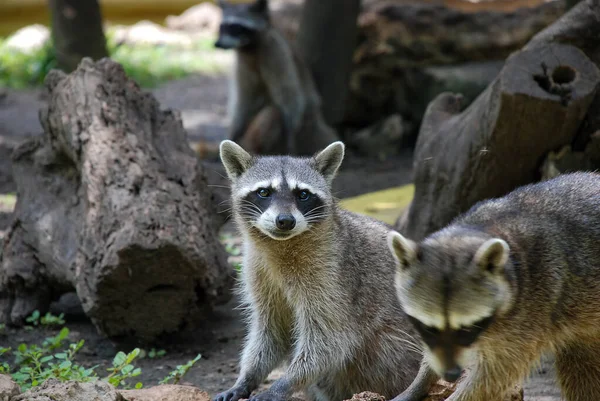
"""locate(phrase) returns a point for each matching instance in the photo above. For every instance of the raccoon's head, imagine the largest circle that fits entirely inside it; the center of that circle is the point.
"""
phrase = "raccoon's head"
(281, 196)
(452, 286)
(241, 23)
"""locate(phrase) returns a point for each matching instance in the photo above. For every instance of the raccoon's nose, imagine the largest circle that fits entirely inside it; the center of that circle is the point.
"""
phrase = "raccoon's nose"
(452, 375)
(285, 222)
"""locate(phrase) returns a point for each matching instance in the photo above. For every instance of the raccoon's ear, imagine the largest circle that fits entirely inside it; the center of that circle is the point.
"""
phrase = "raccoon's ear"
(235, 159)
(403, 249)
(492, 255)
(260, 6)
(329, 160)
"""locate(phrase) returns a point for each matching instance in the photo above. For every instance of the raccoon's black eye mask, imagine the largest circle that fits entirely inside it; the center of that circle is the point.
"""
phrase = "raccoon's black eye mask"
(464, 337)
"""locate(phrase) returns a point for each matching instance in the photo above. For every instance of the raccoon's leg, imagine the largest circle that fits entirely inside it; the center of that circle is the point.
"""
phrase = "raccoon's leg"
(420, 386)
(578, 371)
(325, 344)
(266, 346)
(496, 372)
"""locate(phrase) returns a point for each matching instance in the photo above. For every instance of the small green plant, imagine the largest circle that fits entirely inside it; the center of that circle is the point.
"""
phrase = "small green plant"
(34, 364)
(47, 320)
(123, 370)
(50, 320)
(180, 370)
(154, 354)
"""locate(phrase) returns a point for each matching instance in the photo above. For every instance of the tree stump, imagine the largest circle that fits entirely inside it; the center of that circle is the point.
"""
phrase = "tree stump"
(535, 105)
(113, 203)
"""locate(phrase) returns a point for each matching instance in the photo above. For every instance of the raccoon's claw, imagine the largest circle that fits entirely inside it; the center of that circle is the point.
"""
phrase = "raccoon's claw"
(268, 396)
(233, 394)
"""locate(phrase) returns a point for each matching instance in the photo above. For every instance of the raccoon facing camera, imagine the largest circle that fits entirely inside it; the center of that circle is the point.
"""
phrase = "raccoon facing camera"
(241, 24)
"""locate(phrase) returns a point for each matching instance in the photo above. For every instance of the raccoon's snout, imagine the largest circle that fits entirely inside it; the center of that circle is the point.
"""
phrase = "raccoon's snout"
(453, 374)
(285, 221)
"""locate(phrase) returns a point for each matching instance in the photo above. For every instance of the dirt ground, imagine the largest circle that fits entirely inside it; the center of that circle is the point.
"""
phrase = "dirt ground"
(202, 100)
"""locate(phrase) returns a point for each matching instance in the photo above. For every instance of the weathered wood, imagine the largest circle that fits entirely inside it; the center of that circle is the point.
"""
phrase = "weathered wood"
(536, 105)
(113, 203)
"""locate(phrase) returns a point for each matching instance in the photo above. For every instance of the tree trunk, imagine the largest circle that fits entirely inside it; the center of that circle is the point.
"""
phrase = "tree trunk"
(536, 105)
(326, 40)
(113, 203)
(77, 32)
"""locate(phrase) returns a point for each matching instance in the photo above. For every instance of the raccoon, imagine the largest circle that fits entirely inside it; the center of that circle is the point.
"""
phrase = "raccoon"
(317, 283)
(509, 280)
(269, 75)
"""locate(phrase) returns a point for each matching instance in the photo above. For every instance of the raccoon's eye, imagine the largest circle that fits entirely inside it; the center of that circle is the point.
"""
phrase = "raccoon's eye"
(263, 192)
(303, 195)
(466, 336)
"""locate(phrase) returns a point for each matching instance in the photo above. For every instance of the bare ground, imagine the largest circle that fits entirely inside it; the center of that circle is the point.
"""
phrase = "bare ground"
(201, 100)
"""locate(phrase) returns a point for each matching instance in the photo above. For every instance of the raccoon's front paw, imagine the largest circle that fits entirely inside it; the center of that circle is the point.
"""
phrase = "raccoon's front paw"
(233, 394)
(269, 396)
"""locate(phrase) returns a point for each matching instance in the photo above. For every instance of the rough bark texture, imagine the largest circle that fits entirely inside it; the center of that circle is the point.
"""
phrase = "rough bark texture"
(536, 105)
(77, 31)
(328, 52)
(114, 203)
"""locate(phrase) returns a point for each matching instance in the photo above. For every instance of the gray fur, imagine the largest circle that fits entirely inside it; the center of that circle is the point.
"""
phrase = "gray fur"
(323, 301)
(540, 281)
(268, 72)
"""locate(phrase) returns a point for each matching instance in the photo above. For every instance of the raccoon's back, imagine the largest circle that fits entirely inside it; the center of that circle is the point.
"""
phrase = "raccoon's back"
(574, 196)
(555, 223)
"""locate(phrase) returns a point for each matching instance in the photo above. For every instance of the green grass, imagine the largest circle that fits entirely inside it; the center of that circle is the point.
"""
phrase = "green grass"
(7, 202)
(148, 65)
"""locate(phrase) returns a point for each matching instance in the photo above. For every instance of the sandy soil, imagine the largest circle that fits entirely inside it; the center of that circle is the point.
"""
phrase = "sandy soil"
(202, 101)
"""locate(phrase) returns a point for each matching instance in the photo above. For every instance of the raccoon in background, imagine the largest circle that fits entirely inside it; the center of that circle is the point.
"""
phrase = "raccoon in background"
(512, 278)
(317, 283)
(269, 79)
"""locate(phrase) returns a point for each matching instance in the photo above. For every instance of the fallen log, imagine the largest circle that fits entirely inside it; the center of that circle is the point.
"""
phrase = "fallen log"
(113, 203)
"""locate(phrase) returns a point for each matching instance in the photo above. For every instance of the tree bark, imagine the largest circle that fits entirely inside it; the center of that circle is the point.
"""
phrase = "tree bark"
(113, 203)
(326, 40)
(77, 32)
(536, 105)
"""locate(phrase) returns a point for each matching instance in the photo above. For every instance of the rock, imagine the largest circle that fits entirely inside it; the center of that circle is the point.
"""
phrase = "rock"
(381, 140)
(440, 391)
(8, 388)
(166, 392)
(203, 17)
(150, 33)
(114, 204)
(69, 305)
(55, 390)
(29, 39)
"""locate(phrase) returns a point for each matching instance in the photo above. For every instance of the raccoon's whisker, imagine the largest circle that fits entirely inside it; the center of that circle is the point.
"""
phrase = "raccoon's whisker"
(248, 203)
(219, 186)
(313, 210)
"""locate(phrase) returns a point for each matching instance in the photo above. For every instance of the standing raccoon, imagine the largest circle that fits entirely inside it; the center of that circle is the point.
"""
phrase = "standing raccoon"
(273, 98)
(318, 283)
(510, 279)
